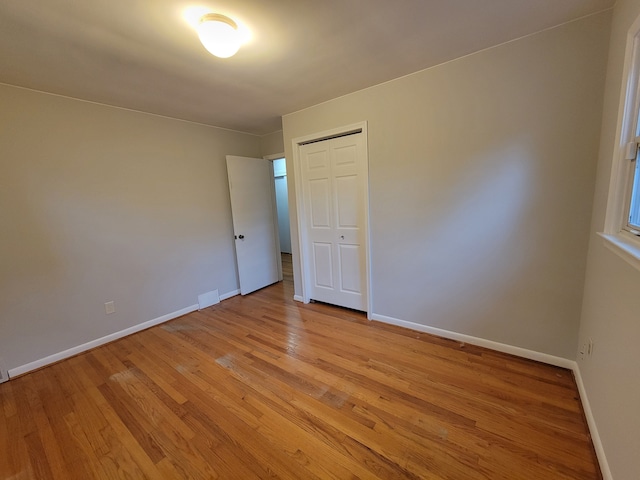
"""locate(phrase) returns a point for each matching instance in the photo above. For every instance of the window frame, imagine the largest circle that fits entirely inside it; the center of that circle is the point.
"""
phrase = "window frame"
(633, 178)
(619, 235)
(631, 134)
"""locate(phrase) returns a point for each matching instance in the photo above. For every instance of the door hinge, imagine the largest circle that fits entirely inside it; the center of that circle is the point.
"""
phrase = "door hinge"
(631, 150)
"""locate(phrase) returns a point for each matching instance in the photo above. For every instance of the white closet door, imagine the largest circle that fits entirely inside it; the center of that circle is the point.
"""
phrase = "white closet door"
(333, 177)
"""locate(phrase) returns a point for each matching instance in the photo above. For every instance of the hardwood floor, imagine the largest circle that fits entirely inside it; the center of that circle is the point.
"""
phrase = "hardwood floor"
(265, 387)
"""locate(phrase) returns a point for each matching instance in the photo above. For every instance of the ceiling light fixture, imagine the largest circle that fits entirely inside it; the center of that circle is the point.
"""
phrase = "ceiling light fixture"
(219, 35)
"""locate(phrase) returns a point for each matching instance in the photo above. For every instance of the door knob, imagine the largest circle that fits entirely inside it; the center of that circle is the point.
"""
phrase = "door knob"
(240, 237)
(342, 237)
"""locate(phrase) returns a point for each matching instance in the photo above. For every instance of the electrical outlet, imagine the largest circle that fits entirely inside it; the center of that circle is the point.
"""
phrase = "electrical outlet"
(109, 308)
(583, 350)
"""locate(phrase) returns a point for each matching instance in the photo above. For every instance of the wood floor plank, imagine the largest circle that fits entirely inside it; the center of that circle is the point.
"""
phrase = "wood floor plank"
(44, 449)
(5, 461)
(124, 458)
(62, 452)
(262, 386)
(135, 423)
(38, 457)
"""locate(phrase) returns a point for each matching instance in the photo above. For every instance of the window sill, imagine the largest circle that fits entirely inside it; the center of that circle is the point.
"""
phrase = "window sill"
(624, 246)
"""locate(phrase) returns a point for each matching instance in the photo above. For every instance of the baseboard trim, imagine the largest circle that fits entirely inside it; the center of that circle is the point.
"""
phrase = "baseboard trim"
(481, 342)
(4, 372)
(43, 362)
(500, 347)
(230, 294)
(524, 353)
(591, 422)
(56, 357)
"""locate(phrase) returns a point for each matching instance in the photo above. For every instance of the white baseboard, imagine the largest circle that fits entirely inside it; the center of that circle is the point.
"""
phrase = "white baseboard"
(233, 293)
(481, 342)
(501, 347)
(96, 343)
(520, 352)
(591, 422)
(4, 373)
(56, 357)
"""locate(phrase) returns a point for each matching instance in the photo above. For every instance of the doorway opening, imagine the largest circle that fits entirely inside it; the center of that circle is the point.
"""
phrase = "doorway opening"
(282, 204)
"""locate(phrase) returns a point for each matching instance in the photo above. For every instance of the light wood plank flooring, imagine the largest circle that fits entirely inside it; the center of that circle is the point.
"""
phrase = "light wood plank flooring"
(265, 387)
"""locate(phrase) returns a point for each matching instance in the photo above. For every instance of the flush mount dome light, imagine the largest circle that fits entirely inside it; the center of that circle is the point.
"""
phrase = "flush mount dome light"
(219, 35)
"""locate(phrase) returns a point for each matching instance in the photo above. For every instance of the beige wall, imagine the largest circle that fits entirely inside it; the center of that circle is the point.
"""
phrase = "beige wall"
(272, 144)
(101, 204)
(481, 176)
(611, 309)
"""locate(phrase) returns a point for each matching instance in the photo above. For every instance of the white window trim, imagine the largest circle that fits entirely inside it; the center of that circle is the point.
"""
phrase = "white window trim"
(616, 237)
(626, 248)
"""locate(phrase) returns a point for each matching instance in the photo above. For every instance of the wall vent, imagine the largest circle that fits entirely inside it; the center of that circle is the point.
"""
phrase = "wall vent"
(207, 299)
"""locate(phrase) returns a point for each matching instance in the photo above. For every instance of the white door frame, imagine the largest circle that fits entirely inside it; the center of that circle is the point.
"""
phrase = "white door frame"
(274, 207)
(305, 256)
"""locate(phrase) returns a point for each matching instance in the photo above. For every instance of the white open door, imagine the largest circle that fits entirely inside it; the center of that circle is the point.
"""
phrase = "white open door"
(254, 222)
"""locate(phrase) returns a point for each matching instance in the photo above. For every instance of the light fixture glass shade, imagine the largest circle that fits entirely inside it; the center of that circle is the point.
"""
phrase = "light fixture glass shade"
(219, 35)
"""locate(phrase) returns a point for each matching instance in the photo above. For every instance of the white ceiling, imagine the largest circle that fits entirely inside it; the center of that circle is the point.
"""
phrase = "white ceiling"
(144, 55)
